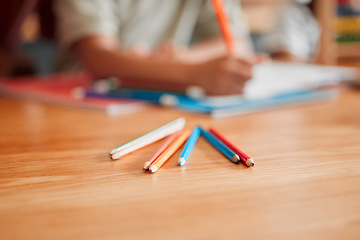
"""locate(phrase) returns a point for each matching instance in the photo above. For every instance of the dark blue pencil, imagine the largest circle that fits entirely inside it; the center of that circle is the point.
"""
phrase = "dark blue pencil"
(225, 150)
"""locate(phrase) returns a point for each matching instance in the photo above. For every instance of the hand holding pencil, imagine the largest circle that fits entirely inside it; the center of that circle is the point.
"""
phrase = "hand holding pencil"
(228, 73)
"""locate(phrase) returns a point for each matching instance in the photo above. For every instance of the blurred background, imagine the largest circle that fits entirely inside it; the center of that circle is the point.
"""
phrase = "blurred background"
(28, 42)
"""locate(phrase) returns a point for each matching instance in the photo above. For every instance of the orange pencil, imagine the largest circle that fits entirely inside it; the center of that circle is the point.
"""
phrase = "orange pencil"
(163, 147)
(174, 146)
(224, 25)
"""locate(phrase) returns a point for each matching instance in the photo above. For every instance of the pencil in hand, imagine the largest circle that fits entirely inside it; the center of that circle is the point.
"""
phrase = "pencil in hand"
(224, 25)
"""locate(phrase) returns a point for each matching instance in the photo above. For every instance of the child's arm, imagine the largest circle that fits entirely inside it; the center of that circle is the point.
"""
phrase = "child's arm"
(219, 75)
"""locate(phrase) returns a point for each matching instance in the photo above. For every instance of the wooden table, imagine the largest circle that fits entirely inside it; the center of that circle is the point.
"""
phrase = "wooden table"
(57, 182)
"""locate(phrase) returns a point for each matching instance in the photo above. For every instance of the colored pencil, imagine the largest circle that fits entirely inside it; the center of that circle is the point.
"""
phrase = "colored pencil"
(243, 157)
(136, 146)
(169, 151)
(163, 147)
(189, 145)
(224, 25)
(225, 150)
(152, 136)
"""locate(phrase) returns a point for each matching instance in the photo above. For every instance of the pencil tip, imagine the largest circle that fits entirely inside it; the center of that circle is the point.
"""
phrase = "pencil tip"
(115, 156)
(153, 169)
(250, 162)
(146, 166)
(181, 162)
(235, 158)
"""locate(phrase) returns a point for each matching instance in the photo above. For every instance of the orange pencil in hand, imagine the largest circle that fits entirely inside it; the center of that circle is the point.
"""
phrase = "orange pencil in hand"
(224, 25)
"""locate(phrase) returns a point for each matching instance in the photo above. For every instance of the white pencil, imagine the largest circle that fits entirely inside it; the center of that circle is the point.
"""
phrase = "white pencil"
(148, 138)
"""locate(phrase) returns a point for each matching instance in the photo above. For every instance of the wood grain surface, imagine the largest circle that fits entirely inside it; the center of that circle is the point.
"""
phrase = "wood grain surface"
(57, 182)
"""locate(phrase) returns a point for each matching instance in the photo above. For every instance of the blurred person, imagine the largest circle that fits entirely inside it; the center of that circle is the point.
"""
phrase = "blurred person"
(295, 36)
(27, 37)
(175, 41)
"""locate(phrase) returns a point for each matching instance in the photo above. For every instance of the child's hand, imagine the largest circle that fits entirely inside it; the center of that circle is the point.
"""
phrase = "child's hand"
(224, 75)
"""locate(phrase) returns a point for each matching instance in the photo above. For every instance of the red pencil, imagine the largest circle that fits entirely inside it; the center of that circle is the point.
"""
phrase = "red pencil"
(224, 25)
(245, 158)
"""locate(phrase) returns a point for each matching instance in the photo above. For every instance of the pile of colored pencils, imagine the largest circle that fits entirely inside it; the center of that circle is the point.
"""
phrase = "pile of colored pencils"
(176, 136)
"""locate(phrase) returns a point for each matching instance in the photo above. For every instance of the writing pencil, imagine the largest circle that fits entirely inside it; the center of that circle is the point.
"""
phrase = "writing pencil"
(243, 157)
(174, 146)
(224, 25)
(152, 136)
(166, 144)
(189, 145)
(225, 150)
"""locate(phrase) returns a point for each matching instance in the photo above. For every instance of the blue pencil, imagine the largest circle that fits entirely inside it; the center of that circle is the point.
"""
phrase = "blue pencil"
(190, 143)
(230, 154)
